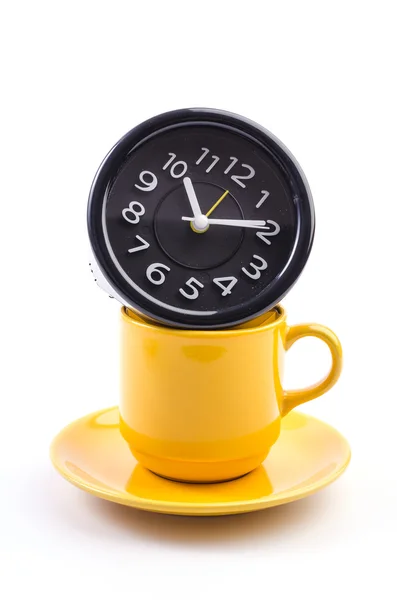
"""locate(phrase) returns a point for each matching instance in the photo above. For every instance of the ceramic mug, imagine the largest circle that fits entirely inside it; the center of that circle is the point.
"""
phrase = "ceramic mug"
(206, 406)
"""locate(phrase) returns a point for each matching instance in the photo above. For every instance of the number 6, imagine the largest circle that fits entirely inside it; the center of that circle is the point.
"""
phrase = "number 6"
(155, 269)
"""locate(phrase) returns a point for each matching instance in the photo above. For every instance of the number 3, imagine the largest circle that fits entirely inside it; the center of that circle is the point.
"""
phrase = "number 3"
(257, 268)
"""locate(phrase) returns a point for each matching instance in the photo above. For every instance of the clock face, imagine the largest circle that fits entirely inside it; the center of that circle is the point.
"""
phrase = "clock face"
(200, 219)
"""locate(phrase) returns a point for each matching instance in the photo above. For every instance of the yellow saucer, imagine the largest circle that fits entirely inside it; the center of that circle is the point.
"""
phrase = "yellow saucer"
(91, 454)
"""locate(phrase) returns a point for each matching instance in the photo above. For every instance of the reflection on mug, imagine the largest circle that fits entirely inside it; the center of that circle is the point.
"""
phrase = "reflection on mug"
(205, 354)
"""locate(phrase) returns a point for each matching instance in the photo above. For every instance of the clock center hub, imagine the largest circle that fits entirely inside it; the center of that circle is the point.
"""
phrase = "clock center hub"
(200, 224)
(180, 240)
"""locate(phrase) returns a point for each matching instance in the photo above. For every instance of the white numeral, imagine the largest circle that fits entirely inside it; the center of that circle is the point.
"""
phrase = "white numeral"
(202, 157)
(227, 289)
(194, 293)
(256, 268)
(212, 165)
(154, 269)
(135, 212)
(180, 166)
(234, 160)
(179, 163)
(143, 246)
(250, 175)
(261, 201)
(167, 164)
(263, 235)
(147, 186)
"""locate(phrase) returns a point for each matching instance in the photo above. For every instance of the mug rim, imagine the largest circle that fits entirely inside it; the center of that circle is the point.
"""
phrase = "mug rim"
(128, 315)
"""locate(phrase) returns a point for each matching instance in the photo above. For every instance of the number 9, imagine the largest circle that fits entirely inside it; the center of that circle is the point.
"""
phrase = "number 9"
(147, 186)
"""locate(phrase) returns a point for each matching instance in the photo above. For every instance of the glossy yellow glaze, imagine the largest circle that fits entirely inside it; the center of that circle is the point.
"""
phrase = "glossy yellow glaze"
(207, 405)
(92, 455)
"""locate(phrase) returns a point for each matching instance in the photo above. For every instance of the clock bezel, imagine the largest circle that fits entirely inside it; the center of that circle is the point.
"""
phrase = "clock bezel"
(239, 125)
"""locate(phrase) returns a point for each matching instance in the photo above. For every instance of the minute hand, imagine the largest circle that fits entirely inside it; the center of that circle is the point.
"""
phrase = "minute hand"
(234, 222)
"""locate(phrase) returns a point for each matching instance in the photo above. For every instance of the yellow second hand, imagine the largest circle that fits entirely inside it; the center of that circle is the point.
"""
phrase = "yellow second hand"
(211, 210)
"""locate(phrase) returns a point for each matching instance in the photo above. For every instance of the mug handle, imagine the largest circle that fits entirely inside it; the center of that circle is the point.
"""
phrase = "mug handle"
(293, 398)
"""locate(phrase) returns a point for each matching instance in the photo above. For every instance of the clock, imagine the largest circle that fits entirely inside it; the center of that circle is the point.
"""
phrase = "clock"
(200, 219)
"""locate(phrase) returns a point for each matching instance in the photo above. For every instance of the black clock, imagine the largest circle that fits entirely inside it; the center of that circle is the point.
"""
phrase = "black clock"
(199, 218)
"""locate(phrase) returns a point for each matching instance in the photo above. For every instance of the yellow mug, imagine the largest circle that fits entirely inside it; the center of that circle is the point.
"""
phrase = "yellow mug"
(206, 406)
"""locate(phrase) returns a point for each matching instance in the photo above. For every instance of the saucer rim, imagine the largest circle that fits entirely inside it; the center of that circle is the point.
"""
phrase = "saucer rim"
(196, 508)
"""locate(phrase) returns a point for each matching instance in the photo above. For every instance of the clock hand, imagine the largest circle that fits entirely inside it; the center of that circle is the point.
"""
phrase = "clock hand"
(191, 194)
(231, 222)
(211, 210)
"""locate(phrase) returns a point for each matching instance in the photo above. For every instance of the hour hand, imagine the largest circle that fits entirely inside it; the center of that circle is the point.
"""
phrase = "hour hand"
(191, 194)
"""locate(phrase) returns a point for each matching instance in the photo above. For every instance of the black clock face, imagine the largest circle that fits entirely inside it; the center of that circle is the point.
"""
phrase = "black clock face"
(200, 219)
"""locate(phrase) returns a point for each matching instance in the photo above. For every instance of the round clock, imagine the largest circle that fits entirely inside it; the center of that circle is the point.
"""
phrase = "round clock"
(199, 218)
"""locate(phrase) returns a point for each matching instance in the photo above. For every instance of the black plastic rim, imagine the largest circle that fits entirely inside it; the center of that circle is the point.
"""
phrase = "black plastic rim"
(301, 194)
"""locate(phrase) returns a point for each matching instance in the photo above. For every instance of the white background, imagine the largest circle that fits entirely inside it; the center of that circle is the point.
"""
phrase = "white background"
(75, 77)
